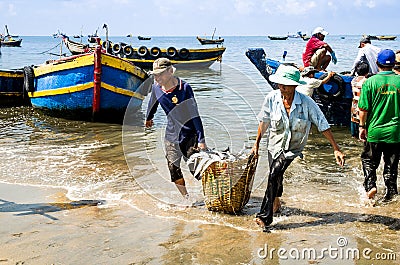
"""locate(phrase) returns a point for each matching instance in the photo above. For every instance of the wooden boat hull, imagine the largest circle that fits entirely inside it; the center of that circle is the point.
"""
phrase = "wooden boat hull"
(94, 86)
(12, 91)
(144, 57)
(333, 98)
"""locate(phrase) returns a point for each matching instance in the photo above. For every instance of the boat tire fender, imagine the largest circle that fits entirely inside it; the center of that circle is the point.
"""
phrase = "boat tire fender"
(183, 53)
(106, 45)
(142, 51)
(155, 52)
(116, 48)
(171, 52)
(29, 76)
(338, 80)
(127, 50)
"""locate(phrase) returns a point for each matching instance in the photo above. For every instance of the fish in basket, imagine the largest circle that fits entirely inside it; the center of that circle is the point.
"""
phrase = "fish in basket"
(227, 180)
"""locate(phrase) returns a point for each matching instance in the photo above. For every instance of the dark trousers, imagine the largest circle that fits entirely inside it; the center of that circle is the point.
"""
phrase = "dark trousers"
(371, 157)
(275, 187)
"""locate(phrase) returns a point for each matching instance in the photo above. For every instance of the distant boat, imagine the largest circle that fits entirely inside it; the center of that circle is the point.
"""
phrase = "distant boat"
(92, 37)
(9, 41)
(12, 91)
(143, 38)
(278, 37)
(205, 41)
(93, 86)
(383, 37)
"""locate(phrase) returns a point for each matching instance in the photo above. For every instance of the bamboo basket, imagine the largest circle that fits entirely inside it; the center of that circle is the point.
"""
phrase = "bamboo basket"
(227, 185)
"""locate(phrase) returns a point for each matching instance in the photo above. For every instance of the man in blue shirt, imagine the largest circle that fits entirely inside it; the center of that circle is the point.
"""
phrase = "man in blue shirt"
(184, 133)
(288, 114)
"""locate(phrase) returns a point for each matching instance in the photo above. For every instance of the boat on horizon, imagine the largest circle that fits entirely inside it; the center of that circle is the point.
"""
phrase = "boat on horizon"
(333, 98)
(93, 86)
(386, 37)
(278, 37)
(206, 41)
(143, 38)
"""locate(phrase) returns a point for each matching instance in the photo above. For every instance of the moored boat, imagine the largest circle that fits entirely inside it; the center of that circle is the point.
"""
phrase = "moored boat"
(10, 41)
(92, 86)
(12, 91)
(76, 47)
(205, 41)
(143, 38)
(144, 57)
(278, 37)
(334, 98)
(386, 37)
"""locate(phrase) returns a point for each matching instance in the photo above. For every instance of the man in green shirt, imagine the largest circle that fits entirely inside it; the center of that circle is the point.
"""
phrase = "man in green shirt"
(379, 106)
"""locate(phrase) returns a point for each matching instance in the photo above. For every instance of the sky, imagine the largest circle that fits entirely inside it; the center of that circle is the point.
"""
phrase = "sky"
(199, 17)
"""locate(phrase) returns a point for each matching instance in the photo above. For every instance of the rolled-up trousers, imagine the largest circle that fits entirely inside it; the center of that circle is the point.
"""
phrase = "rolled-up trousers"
(371, 158)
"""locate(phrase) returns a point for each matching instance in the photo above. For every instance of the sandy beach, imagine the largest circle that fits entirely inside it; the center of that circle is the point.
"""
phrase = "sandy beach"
(41, 226)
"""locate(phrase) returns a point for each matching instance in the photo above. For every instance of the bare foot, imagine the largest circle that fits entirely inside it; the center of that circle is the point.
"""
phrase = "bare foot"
(277, 205)
(259, 222)
(371, 193)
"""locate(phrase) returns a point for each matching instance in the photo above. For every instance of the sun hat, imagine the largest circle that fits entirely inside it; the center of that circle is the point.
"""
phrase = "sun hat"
(364, 40)
(386, 57)
(308, 70)
(320, 30)
(287, 75)
(160, 65)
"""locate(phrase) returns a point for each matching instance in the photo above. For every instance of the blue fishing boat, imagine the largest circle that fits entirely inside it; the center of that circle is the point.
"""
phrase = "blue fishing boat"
(93, 86)
(334, 98)
(12, 91)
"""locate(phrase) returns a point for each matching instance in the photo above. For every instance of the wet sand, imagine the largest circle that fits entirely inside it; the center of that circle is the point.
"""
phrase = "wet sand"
(41, 226)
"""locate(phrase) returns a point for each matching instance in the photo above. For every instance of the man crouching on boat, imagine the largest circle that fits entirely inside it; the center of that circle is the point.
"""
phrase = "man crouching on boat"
(315, 53)
(184, 133)
(289, 115)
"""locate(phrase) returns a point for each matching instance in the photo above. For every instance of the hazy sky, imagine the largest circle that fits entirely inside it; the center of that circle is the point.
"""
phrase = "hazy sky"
(199, 17)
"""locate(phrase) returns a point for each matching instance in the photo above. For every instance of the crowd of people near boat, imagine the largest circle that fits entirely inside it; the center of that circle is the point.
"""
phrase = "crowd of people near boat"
(289, 112)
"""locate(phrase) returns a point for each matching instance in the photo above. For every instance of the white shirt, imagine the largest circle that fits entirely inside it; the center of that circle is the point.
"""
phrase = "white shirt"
(367, 54)
(308, 89)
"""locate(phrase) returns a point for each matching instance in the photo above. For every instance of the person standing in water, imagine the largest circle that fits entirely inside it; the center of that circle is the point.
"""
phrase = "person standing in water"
(379, 111)
(289, 115)
(184, 133)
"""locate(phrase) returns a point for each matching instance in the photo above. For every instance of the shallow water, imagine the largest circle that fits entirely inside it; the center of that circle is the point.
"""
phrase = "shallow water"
(125, 165)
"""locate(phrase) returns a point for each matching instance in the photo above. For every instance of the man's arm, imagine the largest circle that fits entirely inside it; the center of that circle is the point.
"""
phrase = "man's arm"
(339, 156)
(363, 114)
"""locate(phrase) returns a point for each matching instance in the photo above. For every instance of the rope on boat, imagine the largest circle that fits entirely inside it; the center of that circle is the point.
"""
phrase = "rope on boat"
(51, 49)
